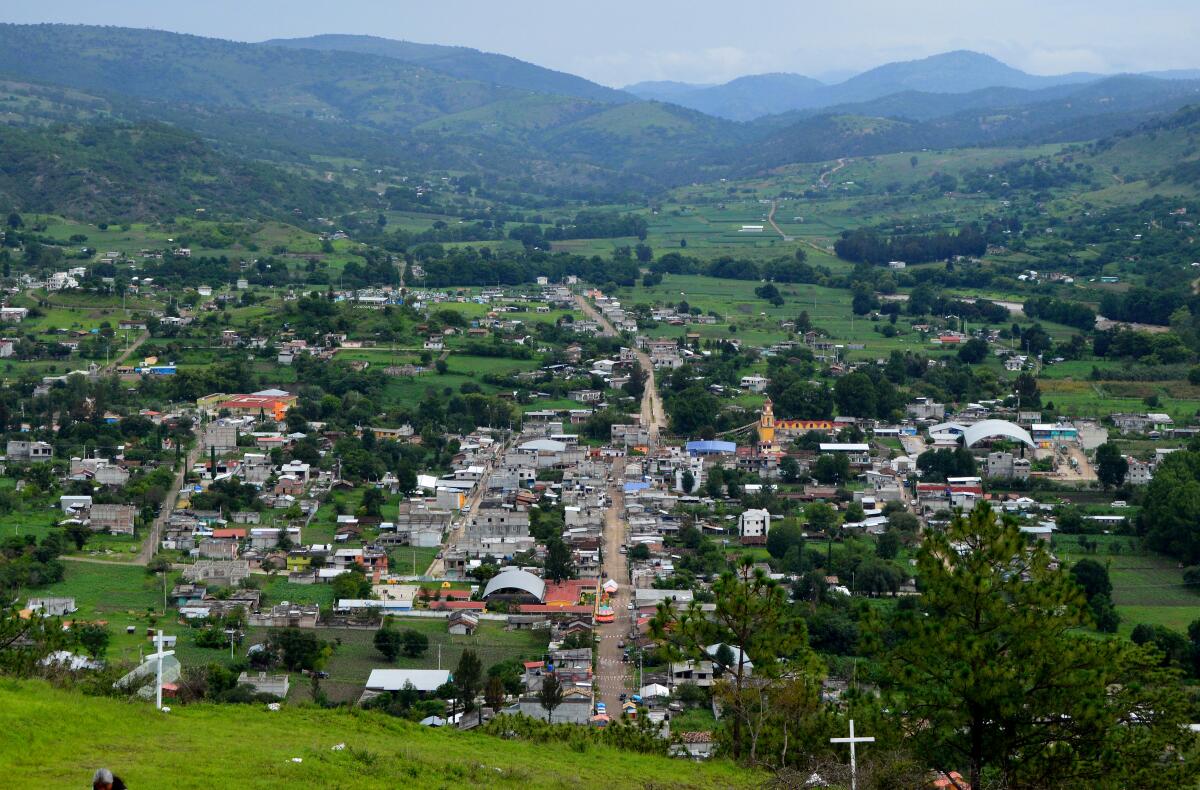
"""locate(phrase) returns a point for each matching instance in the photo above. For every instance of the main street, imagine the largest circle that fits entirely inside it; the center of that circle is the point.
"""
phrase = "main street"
(613, 677)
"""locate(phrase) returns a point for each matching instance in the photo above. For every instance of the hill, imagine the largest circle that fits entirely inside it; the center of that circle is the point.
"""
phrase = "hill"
(1002, 116)
(464, 63)
(743, 99)
(116, 172)
(57, 738)
(755, 96)
(151, 64)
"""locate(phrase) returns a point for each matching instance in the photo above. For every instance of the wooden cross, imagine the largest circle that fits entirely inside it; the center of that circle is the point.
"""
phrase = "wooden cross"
(853, 761)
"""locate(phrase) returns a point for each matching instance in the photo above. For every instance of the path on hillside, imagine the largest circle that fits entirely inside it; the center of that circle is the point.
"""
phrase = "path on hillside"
(771, 220)
(611, 677)
(150, 544)
(823, 179)
(654, 417)
(124, 355)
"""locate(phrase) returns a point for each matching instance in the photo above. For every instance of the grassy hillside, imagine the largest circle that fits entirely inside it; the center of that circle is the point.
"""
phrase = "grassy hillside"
(56, 738)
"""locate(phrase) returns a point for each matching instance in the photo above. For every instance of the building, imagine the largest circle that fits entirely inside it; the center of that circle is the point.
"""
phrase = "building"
(754, 383)
(117, 519)
(1004, 465)
(262, 683)
(287, 615)
(29, 451)
(858, 453)
(462, 623)
(425, 681)
(754, 524)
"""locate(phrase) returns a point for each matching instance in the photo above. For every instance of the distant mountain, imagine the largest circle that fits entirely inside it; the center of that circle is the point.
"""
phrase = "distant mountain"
(951, 72)
(464, 63)
(747, 98)
(665, 90)
(743, 99)
(994, 116)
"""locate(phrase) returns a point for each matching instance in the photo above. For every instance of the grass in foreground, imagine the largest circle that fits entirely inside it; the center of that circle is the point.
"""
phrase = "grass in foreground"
(57, 738)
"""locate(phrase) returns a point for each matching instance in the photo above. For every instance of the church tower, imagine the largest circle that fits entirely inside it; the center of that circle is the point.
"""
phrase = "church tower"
(766, 425)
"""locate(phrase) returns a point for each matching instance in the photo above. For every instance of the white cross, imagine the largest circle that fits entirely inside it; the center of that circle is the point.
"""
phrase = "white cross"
(853, 762)
(160, 655)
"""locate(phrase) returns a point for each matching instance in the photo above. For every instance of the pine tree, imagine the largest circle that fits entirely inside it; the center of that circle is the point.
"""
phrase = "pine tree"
(992, 673)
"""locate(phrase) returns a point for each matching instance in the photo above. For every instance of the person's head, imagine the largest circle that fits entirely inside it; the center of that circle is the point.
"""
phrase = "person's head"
(102, 779)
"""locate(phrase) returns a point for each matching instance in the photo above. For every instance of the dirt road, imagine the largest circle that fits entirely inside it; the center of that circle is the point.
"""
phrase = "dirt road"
(150, 544)
(823, 180)
(654, 417)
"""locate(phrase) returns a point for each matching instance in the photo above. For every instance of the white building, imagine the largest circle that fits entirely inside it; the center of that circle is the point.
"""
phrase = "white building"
(754, 523)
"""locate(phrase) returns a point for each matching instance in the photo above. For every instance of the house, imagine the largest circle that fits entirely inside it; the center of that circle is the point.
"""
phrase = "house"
(116, 519)
(698, 673)
(51, 607)
(462, 622)
(262, 683)
(425, 681)
(859, 454)
(287, 615)
(29, 451)
(754, 383)
(754, 523)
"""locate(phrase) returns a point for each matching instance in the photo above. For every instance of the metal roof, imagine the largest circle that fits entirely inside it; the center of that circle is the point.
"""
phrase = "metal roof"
(516, 579)
(989, 428)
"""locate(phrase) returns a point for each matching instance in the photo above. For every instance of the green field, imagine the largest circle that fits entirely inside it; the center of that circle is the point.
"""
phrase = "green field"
(1147, 587)
(58, 738)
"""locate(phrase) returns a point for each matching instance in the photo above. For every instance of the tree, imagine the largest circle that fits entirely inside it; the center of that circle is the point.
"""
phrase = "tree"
(298, 648)
(372, 502)
(888, 545)
(493, 693)
(79, 534)
(783, 536)
(639, 552)
(414, 643)
(752, 614)
(687, 481)
(388, 642)
(94, 639)
(468, 677)
(1092, 577)
(1028, 394)
(991, 673)
(973, 351)
(550, 695)
(350, 585)
(789, 469)
(559, 562)
(1111, 466)
(821, 517)
(1171, 507)
(831, 468)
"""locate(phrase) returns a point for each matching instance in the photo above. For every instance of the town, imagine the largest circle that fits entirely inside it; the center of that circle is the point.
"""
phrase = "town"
(383, 413)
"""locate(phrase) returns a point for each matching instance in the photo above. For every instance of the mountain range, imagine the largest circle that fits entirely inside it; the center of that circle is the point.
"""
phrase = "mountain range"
(423, 108)
(750, 97)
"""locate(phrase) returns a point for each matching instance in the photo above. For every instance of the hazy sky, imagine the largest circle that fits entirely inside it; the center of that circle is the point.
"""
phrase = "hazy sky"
(621, 41)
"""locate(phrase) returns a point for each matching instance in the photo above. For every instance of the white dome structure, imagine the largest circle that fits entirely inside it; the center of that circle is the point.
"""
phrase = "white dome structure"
(992, 428)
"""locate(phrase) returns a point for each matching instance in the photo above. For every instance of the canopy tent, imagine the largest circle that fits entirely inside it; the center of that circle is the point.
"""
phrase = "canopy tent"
(654, 690)
(611, 586)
